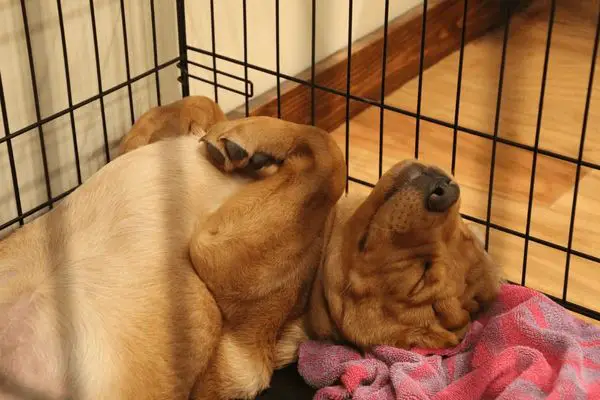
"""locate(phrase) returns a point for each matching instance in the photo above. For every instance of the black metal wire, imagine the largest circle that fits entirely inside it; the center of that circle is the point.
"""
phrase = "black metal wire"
(245, 33)
(155, 51)
(36, 102)
(99, 77)
(38, 208)
(11, 156)
(572, 306)
(248, 92)
(250, 89)
(460, 128)
(348, 88)
(382, 93)
(87, 101)
(496, 126)
(538, 129)
(182, 40)
(127, 66)
(219, 85)
(504, 229)
(580, 157)
(277, 58)
(312, 63)
(534, 239)
(69, 92)
(459, 87)
(213, 42)
(420, 88)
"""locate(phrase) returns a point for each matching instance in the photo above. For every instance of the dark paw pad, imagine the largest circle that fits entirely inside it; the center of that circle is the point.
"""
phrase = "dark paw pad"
(260, 160)
(215, 154)
(235, 151)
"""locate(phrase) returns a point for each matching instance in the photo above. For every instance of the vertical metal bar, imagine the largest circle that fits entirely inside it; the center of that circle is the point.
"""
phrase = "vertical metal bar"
(99, 77)
(348, 87)
(36, 101)
(312, 63)
(536, 144)
(182, 36)
(580, 157)
(155, 51)
(127, 67)
(420, 87)
(459, 86)
(214, 49)
(245, 32)
(277, 61)
(11, 156)
(496, 126)
(69, 93)
(382, 94)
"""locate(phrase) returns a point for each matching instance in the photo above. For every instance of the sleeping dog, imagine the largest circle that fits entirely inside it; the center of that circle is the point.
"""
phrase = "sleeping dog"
(193, 269)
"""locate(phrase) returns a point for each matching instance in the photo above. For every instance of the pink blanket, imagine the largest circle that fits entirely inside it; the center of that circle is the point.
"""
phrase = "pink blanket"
(526, 347)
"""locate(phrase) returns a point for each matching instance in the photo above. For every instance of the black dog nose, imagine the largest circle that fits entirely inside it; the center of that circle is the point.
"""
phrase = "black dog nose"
(443, 193)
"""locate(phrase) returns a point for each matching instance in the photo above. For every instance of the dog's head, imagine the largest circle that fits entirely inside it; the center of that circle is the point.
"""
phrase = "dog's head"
(412, 273)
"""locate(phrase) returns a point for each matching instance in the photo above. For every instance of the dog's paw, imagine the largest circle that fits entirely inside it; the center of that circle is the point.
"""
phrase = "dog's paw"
(229, 155)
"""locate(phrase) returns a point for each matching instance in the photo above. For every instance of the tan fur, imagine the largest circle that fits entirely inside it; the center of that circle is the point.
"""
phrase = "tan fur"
(384, 294)
(192, 115)
(163, 276)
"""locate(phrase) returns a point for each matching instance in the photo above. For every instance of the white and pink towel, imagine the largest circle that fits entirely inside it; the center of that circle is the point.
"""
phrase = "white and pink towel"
(525, 347)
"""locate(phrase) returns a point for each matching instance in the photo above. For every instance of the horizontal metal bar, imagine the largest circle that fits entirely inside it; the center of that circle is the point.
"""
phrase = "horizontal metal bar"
(87, 101)
(360, 182)
(208, 81)
(588, 312)
(248, 83)
(37, 208)
(501, 228)
(388, 107)
(537, 240)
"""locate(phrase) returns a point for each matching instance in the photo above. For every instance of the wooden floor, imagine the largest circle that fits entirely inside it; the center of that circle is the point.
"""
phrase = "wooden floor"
(561, 127)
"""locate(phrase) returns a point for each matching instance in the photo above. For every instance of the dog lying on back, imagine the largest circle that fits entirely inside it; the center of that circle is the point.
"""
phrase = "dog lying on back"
(181, 269)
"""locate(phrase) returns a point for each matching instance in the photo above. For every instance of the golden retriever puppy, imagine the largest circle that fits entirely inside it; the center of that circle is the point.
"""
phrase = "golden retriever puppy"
(192, 115)
(164, 277)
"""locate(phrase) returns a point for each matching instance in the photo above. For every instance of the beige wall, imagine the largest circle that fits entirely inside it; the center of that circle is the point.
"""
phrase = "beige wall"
(295, 47)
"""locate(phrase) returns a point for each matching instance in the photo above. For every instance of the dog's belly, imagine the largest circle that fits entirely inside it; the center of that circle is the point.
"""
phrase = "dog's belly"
(100, 296)
(35, 347)
(30, 360)
(109, 341)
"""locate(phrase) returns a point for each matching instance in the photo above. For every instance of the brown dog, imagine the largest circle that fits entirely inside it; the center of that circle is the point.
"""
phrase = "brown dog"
(164, 276)
(400, 267)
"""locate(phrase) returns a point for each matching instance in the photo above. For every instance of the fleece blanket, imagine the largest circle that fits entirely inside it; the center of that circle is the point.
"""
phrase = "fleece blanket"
(525, 347)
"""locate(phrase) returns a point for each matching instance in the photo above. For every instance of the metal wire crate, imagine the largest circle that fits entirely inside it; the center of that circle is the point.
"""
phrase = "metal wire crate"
(186, 75)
